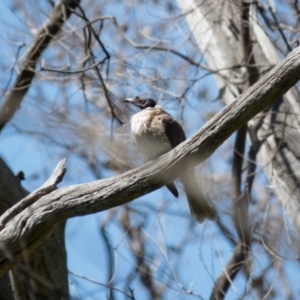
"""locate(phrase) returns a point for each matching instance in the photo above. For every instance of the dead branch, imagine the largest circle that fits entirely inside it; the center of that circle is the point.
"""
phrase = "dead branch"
(49, 186)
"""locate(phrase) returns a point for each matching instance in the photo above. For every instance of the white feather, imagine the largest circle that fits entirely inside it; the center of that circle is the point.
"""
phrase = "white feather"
(150, 144)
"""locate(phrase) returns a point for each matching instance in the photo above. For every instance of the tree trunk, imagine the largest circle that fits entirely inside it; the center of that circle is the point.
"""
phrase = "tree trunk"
(44, 273)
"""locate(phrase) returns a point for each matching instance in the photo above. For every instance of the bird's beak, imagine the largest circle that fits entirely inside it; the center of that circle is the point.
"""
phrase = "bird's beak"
(130, 100)
(135, 101)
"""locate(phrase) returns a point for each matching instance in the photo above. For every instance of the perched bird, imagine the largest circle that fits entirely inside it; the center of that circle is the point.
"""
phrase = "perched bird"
(156, 132)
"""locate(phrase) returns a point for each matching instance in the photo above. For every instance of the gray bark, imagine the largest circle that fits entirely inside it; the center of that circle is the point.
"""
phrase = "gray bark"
(10, 192)
(45, 273)
(30, 227)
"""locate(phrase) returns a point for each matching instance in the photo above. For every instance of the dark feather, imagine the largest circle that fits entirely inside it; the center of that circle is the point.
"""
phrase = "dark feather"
(173, 189)
(173, 131)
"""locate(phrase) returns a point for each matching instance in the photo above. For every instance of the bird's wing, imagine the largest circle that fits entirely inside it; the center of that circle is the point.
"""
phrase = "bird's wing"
(173, 130)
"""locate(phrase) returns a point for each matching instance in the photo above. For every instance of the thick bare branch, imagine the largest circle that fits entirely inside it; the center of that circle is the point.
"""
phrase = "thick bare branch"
(35, 223)
(49, 186)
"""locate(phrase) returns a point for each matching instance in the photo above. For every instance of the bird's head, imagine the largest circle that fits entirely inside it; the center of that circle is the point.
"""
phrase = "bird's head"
(142, 103)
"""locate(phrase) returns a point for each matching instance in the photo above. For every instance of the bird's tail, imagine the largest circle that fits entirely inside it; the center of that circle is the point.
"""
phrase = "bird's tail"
(200, 208)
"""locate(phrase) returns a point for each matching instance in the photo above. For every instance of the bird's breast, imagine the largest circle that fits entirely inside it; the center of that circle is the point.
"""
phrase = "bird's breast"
(149, 135)
(138, 124)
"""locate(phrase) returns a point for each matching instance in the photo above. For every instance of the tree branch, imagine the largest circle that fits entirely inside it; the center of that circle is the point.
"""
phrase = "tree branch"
(34, 224)
(43, 38)
(236, 263)
(49, 186)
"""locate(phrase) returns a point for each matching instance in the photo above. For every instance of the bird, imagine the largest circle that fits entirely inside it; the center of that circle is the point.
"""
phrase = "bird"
(156, 132)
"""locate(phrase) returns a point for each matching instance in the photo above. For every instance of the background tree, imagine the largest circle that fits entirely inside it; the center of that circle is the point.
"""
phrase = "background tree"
(67, 66)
